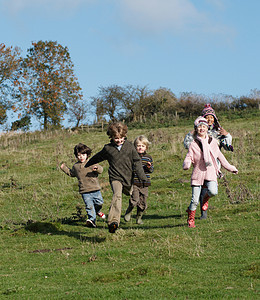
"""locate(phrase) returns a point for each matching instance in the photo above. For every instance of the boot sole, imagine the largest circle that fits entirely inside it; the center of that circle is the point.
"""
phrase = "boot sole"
(112, 227)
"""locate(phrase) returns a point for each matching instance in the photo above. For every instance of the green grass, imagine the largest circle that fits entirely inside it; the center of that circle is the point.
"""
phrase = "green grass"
(48, 253)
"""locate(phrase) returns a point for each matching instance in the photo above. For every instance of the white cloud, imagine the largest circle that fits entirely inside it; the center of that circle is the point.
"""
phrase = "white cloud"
(177, 16)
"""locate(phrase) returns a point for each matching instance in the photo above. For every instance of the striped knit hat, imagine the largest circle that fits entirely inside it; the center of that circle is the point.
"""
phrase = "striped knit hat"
(208, 110)
(200, 120)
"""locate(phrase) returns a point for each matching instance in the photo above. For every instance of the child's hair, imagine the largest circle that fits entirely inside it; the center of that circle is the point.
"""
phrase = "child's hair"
(82, 149)
(142, 139)
(195, 133)
(117, 129)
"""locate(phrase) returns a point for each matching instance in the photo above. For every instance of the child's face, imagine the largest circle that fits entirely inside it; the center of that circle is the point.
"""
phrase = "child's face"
(82, 157)
(118, 140)
(210, 119)
(140, 147)
(202, 130)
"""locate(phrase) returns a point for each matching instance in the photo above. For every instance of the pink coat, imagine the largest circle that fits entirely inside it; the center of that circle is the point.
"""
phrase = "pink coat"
(200, 172)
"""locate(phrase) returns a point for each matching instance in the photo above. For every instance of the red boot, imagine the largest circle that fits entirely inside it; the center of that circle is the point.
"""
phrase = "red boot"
(191, 218)
(205, 202)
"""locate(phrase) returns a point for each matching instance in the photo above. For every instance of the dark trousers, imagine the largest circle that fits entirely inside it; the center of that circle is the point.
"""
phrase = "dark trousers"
(139, 198)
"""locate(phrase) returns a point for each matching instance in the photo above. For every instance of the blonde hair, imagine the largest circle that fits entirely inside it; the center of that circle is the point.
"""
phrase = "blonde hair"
(142, 139)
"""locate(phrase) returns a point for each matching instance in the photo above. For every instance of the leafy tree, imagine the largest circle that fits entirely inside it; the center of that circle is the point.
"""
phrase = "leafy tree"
(190, 105)
(163, 101)
(10, 73)
(23, 123)
(49, 82)
(3, 115)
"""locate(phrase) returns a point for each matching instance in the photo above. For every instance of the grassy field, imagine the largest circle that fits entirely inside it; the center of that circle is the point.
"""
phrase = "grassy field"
(47, 252)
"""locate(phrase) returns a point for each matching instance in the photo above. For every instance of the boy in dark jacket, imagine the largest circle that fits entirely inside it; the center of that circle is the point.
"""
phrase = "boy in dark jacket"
(123, 159)
(89, 187)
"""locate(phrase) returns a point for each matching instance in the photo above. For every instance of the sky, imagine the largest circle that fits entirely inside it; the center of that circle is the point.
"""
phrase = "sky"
(200, 46)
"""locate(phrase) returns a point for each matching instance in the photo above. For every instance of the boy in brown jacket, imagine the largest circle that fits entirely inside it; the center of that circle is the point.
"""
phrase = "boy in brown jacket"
(89, 187)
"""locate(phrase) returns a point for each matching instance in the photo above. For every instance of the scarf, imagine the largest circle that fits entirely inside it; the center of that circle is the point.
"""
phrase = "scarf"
(208, 156)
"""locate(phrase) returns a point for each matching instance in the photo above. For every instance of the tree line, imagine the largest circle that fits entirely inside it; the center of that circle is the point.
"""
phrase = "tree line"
(43, 85)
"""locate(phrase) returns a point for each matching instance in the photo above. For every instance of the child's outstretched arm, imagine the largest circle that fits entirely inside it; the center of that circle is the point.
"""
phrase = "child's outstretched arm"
(98, 157)
(188, 160)
(66, 170)
(226, 164)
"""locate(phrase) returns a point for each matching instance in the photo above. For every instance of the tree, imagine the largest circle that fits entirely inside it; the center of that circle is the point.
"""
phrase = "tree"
(255, 94)
(77, 111)
(10, 73)
(109, 101)
(23, 123)
(100, 112)
(162, 101)
(49, 82)
(190, 104)
(133, 102)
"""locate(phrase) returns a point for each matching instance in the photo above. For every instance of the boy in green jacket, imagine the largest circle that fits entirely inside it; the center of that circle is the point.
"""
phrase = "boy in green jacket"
(89, 187)
(123, 160)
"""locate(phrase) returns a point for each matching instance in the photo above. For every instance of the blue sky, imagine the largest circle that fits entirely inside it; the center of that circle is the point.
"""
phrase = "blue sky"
(200, 46)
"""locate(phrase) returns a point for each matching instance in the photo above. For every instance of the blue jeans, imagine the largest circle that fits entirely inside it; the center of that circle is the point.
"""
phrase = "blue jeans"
(93, 202)
(212, 190)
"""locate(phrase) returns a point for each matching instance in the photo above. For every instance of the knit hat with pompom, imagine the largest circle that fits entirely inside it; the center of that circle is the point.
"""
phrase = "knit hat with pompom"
(208, 110)
(199, 121)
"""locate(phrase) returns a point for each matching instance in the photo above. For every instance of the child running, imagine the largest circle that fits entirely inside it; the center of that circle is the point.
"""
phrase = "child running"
(89, 187)
(123, 160)
(140, 189)
(203, 154)
(216, 131)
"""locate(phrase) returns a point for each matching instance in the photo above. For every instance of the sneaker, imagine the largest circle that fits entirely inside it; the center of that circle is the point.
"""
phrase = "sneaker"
(101, 215)
(112, 227)
(91, 223)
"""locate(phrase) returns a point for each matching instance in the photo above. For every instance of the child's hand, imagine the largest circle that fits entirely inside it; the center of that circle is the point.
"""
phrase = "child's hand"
(95, 168)
(222, 131)
(62, 165)
(148, 164)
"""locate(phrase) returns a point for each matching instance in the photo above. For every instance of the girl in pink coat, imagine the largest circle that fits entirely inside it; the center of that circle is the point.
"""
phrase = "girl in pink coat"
(203, 154)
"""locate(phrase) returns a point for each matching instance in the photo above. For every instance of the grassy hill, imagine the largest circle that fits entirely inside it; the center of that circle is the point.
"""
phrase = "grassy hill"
(47, 252)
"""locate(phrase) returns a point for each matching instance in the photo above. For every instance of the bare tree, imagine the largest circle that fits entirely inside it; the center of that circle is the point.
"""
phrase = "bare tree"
(108, 102)
(77, 111)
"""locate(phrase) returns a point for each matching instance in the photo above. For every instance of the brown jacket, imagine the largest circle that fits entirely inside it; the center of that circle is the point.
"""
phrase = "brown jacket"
(88, 179)
(122, 163)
